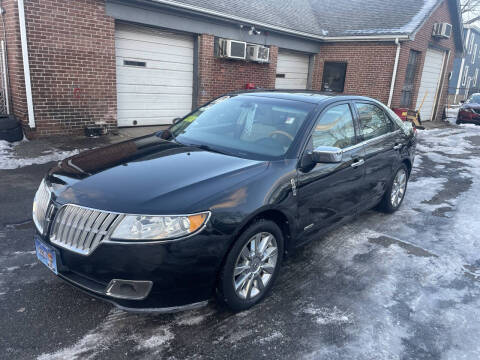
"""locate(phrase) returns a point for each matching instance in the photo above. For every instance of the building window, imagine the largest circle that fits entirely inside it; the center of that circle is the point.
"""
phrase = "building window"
(474, 53)
(408, 85)
(334, 76)
(464, 77)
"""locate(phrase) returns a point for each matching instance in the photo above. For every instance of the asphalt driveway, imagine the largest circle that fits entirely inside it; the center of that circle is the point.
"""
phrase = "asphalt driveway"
(402, 286)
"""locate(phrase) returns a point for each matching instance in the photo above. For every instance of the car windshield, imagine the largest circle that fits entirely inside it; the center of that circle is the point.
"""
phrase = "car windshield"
(246, 126)
(475, 99)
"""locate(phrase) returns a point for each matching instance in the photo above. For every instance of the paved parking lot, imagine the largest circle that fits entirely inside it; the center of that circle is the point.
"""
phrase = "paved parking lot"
(402, 286)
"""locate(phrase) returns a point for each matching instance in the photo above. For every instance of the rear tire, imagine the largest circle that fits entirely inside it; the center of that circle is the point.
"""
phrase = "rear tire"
(251, 266)
(393, 197)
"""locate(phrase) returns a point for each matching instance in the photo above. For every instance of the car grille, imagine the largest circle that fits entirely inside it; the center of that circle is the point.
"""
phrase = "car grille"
(81, 229)
(40, 206)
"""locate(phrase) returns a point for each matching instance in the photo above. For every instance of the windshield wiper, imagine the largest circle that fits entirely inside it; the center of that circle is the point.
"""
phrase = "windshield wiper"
(207, 148)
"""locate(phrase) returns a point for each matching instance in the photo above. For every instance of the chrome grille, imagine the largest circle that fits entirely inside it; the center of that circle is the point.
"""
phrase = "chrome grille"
(40, 206)
(81, 229)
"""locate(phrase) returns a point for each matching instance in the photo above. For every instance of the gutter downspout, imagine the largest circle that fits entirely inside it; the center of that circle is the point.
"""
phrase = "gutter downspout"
(394, 74)
(26, 64)
(5, 76)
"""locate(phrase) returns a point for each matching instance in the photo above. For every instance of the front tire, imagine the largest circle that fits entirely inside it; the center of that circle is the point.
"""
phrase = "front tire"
(396, 190)
(251, 266)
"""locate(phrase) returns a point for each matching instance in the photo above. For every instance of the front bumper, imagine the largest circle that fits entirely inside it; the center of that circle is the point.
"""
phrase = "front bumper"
(183, 274)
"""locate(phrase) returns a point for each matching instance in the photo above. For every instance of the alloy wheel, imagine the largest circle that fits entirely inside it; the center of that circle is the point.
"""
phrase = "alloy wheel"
(255, 265)
(398, 188)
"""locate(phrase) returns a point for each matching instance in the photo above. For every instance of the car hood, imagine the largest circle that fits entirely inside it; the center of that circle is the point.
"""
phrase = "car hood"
(473, 106)
(148, 175)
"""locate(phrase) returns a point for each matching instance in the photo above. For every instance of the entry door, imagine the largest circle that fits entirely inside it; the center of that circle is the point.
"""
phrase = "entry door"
(292, 70)
(329, 192)
(382, 143)
(429, 83)
(154, 75)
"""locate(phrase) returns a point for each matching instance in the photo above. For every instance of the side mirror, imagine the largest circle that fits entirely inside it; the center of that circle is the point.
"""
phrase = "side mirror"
(327, 154)
(462, 101)
(176, 120)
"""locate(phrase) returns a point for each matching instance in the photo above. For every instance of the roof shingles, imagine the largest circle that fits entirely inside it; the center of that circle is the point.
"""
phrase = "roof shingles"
(337, 17)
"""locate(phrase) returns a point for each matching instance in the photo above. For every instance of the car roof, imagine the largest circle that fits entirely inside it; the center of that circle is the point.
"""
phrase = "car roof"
(309, 96)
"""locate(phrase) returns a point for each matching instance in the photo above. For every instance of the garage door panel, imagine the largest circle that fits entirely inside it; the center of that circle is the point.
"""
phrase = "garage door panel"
(154, 89)
(293, 68)
(160, 57)
(154, 76)
(298, 84)
(149, 48)
(162, 89)
(131, 101)
(150, 121)
(144, 34)
(136, 114)
(429, 83)
(153, 64)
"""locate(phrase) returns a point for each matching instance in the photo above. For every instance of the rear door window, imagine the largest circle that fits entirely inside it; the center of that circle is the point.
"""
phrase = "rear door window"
(373, 121)
(335, 128)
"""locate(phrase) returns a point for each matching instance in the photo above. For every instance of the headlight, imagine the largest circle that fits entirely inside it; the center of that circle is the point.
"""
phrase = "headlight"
(140, 227)
(40, 204)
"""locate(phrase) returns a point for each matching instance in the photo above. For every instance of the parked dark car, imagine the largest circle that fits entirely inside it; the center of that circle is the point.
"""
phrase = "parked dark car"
(469, 112)
(166, 221)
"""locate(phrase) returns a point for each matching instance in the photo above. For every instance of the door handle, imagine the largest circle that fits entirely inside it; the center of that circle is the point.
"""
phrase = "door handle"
(397, 146)
(358, 163)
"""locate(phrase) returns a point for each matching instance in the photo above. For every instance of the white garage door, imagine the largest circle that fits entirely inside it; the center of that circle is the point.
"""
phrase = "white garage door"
(431, 74)
(292, 70)
(154, 75)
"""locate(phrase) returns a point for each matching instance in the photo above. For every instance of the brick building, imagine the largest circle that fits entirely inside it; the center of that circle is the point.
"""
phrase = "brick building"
(72, 64)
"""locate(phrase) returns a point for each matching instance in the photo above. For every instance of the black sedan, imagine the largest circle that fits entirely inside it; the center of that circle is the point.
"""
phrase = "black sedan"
(211, 206)
(469, 112)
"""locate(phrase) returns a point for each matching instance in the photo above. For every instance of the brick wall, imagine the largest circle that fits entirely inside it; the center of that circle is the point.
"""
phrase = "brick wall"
(72, 64)
(370, 64)
(369, 67)
(72, 61)
(219, 76)
(423, 39)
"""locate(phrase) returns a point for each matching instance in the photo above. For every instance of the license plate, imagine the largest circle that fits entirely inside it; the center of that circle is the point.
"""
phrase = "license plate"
(46, 254)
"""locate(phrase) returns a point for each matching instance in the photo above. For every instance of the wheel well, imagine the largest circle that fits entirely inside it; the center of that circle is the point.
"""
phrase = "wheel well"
(408, 164)
(278, 218)
(273, 215)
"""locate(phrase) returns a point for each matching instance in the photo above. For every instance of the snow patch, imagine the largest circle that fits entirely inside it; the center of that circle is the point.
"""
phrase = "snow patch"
(327, 316)
(274, 336)
(9, 161)
(156, 341)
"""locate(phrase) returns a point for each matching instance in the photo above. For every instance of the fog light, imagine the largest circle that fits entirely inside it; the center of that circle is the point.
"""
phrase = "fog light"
(129, 289)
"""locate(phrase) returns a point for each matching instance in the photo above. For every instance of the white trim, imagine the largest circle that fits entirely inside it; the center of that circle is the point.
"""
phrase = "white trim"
(460, 73)
(5, 77)
(465, 75)
(394, 73)
(279, 28)
(26, 64)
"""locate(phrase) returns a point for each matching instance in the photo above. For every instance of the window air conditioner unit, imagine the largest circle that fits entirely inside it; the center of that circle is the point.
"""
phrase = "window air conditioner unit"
(233, 49)
(442, 30)
(257, 53)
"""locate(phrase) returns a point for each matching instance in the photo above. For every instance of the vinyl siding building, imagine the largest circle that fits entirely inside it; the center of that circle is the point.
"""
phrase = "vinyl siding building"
(464, 77)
